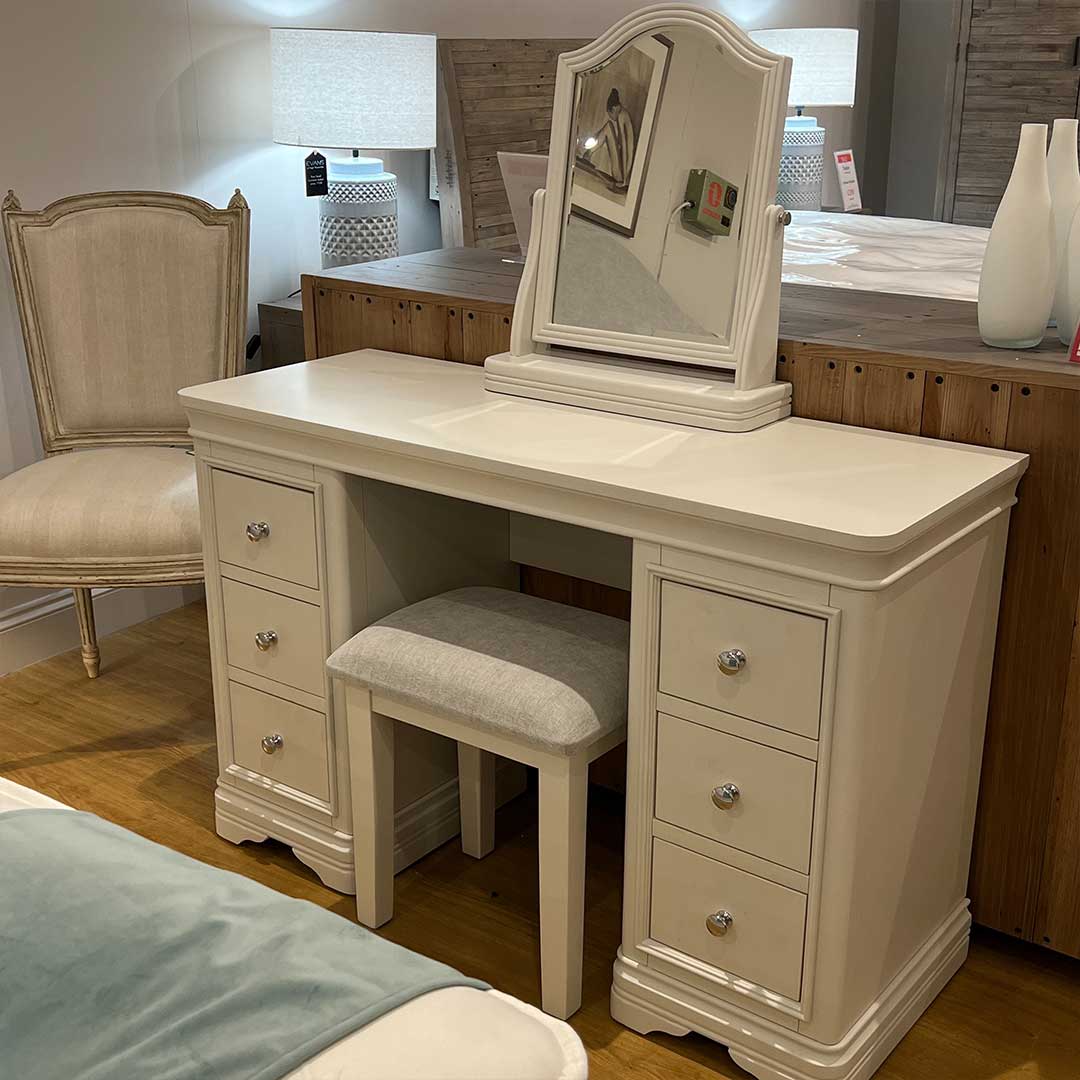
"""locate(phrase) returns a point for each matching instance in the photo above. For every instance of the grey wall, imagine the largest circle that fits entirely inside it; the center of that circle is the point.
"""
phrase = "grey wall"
(925, 53)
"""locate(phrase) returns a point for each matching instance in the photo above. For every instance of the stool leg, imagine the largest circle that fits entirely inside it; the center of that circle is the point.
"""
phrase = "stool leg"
(476, 793)
(564, 786)
(371, 768)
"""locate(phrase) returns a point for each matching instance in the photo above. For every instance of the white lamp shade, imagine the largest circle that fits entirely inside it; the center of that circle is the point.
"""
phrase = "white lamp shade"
(351, 89)
(823, 62)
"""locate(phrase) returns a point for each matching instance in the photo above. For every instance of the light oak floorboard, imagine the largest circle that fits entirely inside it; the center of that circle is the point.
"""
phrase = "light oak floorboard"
(136, 746)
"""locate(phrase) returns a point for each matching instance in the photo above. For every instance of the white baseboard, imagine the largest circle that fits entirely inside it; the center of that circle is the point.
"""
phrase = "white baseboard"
(46, 625)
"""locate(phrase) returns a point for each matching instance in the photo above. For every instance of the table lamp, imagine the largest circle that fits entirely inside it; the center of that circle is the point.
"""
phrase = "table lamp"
(351, 90)
(823, 66)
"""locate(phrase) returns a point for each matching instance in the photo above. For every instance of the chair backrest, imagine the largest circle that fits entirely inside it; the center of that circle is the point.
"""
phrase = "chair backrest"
(494, 94)
(126, 297)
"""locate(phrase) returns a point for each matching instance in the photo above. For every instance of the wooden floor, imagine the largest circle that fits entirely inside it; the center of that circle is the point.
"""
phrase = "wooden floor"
(137, 747)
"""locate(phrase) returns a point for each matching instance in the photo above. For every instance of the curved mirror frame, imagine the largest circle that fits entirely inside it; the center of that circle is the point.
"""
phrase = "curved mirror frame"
(753, 61)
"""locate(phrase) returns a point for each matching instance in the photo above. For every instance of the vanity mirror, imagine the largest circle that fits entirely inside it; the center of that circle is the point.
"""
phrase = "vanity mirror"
(653, 276)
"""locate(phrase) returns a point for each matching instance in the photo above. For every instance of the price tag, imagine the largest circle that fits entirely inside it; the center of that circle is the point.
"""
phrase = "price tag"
(315, 173)
(1074, 348)
(849, 181)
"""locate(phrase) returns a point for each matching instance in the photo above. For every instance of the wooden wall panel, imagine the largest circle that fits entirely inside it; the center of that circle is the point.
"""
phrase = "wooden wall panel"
(967, 410)
(882, 396)
(484, 333)
(339, 321)
(495, 94)
(1018, 66)
(1057, 918)
(429, 329)
(1031, 668)
(817, 382)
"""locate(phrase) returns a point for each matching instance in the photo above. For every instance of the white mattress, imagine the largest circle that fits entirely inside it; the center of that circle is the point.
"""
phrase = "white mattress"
(453, 1034)
(880, 254)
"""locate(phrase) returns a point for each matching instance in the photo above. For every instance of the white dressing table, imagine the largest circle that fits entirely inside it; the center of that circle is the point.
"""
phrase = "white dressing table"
(858, 573)
(813, 606)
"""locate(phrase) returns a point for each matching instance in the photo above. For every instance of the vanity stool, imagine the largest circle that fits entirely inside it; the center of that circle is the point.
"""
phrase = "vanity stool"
(503, 674)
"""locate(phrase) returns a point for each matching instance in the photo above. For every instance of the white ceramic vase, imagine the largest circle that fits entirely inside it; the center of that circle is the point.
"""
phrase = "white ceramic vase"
(1063, 172)
(1016, 287)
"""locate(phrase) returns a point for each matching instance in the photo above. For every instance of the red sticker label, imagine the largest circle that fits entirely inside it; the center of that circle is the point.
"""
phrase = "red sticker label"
(1074, 348)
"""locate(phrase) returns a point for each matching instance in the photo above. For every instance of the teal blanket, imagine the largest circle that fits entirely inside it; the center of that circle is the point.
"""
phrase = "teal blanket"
(123, 960)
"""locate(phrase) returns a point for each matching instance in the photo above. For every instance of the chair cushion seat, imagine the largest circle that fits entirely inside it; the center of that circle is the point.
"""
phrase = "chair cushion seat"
(115, 504)
(545, 674)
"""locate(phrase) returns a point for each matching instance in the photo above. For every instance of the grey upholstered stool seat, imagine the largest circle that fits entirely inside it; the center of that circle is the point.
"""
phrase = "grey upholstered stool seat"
(505, 675)
(503, 661)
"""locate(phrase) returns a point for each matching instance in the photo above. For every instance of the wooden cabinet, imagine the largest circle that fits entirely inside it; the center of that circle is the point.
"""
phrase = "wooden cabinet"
(452, 304)
(915, 366)
(1025, 873)
(1017, 62)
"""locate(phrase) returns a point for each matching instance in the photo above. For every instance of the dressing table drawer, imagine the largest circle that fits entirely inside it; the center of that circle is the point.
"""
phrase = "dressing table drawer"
(266, 527)
(280, 740)
(751, 797)
(274, 636)
(757, 926)
(751, 659)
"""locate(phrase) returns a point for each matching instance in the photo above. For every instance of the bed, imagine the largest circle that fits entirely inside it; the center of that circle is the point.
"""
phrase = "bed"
(455, 1033)
(881, 254)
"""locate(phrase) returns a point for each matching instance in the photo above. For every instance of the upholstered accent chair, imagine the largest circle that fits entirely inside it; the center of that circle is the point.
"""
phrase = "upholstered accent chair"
(125, 297)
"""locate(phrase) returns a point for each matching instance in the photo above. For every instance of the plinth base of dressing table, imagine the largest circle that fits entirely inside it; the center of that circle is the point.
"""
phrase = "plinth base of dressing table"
(636, 388)
(647, 1001)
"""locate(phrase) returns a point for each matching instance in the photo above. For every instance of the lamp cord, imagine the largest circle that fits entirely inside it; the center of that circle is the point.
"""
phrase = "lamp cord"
(667, 229)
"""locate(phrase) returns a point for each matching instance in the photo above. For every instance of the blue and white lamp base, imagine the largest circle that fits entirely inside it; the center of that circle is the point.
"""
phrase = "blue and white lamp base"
(358, 214)
(802, 164)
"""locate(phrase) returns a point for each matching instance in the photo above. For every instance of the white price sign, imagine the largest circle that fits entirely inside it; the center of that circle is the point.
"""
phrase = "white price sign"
(849, 181)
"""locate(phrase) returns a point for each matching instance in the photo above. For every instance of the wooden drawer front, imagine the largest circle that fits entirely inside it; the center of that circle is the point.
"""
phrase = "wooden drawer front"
(781, 682)
(296, 656)
(288, 552)
(765, 940)
(773, 814)
(301, 760)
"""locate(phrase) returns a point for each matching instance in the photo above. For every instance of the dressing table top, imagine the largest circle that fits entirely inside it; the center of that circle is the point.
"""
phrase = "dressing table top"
(844, 487)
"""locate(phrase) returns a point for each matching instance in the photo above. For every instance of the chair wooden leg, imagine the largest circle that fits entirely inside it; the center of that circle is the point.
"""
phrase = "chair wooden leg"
(371, 767)
(476, 793)
(84, 609)
(564, 786)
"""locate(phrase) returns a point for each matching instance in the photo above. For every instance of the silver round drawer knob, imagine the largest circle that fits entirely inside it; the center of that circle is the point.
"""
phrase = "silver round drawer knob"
(725, 796)
(719, 923)
(731, 661)
(265, 638)
(270, 743)
(257, 530)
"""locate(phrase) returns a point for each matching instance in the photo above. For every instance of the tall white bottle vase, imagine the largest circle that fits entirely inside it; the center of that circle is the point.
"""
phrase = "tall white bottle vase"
(1063, 171)
(1016, 287)
(1068, 309)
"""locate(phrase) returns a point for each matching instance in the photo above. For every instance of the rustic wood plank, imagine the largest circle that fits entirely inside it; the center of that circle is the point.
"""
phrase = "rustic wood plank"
(429, 330)
(380, 327)
(883, 397)
(497, 94)
(1057, 917)
(964, 409)
(311, 330)
(924, 333)
(484, 333)
(1032, 661)
(817, 381)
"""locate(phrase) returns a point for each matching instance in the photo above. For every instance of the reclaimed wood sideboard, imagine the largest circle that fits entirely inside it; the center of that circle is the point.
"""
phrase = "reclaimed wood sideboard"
(913, 365)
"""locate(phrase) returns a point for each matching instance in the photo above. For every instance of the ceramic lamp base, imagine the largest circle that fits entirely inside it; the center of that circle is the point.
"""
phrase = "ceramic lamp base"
(802, 164)
(358, 214)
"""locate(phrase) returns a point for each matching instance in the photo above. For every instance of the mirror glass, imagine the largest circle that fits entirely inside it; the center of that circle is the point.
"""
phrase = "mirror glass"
(670, 119)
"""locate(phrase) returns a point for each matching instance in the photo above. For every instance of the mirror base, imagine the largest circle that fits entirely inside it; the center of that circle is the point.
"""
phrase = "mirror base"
(692, 397)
